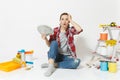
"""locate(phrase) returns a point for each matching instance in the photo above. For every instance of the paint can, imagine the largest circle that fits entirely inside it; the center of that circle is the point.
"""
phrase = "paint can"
(112, 66)
(103, 36)
(103, 65)
(29, 58)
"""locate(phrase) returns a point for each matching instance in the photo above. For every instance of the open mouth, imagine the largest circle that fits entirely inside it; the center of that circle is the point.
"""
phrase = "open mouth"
(64, 24)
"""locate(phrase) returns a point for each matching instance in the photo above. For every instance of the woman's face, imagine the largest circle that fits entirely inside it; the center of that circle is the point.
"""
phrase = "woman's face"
(64, 21)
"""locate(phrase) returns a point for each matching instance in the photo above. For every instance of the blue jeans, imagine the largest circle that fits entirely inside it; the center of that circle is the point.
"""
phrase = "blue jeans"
(63, 61)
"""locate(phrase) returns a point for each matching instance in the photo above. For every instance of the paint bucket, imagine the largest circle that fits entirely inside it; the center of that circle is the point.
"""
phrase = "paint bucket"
(29, 58)
(103, 36)
(112, 66)
(29, 55)
(103, 65)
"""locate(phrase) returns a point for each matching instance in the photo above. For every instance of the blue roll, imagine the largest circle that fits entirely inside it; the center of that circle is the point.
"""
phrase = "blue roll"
(27, 62)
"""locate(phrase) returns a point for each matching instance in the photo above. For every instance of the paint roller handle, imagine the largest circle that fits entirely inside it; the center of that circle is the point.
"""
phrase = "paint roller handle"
(29, 52)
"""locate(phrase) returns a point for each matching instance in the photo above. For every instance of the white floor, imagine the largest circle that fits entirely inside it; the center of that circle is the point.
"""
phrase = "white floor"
(36, 73)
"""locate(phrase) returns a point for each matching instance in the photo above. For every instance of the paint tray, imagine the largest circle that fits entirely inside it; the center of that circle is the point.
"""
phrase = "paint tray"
(44, 29)
(9, 66)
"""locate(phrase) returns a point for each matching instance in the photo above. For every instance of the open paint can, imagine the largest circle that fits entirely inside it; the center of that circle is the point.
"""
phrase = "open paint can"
(103, 65)
(112, 66)
(103, 36)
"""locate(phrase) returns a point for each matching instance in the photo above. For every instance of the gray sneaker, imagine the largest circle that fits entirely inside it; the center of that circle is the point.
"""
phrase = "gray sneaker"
(50, 70)
(44, 65)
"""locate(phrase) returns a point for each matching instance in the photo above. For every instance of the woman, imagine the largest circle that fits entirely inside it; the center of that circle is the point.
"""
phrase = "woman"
(62, 49)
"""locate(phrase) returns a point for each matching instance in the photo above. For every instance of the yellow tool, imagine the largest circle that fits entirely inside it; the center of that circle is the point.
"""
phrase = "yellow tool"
(111, 42)
(9, 66)
(112, 24)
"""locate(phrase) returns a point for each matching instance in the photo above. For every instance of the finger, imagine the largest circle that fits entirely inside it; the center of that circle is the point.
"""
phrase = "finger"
(70, 17)
(43, 34)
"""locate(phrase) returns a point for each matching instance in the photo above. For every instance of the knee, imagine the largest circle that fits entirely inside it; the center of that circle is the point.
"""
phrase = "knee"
(54, 44)
(53, 51)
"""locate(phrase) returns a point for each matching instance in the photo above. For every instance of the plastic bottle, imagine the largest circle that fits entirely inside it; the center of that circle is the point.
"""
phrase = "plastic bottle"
(22, 51)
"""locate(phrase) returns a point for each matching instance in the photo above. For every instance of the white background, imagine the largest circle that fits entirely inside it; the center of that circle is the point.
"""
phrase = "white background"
(18, 30)
(19, 20)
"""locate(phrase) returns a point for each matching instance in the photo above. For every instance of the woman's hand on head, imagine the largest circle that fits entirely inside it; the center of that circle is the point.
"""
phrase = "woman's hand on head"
(69, 17)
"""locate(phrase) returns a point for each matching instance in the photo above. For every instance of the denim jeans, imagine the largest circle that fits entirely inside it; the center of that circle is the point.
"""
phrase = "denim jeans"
(63, 61)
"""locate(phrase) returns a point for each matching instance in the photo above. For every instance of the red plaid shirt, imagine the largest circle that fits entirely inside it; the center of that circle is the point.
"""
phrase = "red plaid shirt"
(70, 32)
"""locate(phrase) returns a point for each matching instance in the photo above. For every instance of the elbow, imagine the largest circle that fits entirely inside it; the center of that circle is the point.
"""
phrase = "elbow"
(80, 30)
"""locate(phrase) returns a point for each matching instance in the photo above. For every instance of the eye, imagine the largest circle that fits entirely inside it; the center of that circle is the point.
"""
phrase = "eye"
(62, 19)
